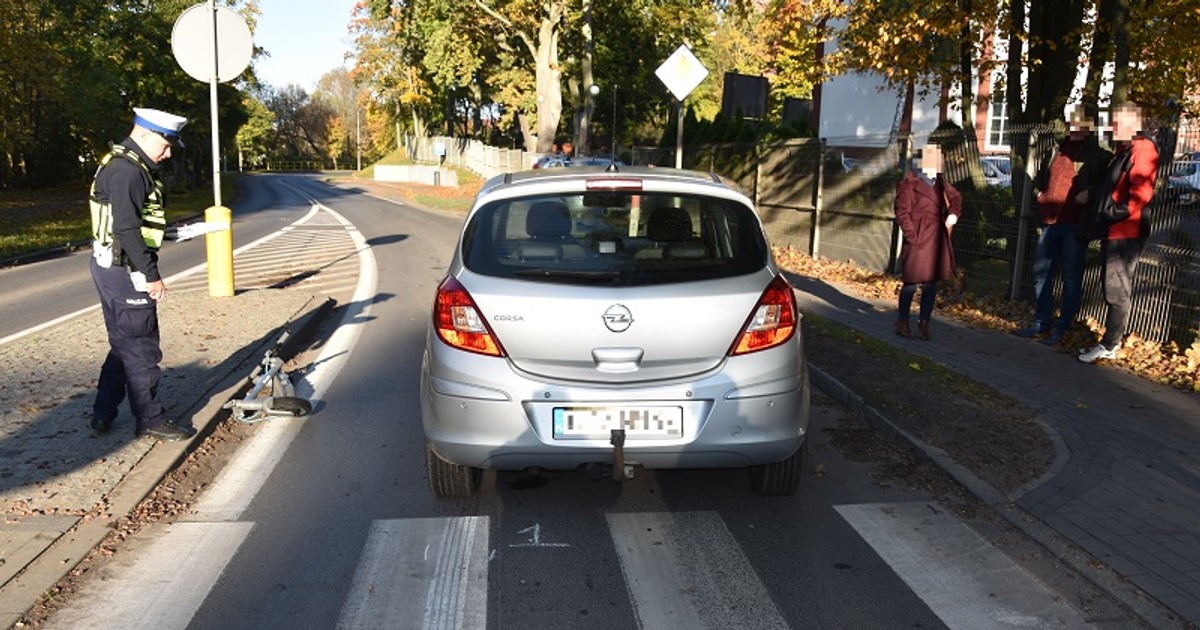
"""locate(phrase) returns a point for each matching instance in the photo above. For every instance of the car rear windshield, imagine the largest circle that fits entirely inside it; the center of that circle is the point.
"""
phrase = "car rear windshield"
(617, 238)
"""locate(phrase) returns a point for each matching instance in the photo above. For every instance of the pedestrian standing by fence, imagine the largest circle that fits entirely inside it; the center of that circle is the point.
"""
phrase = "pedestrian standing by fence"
(1067, 182)
(927, 207)
(1122, 222)
(128, 225)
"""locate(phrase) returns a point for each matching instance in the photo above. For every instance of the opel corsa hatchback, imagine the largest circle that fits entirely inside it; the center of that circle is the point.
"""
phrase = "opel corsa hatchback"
(610, 319)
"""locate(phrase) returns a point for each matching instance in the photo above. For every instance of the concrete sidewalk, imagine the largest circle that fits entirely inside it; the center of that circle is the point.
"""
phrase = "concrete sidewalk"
(61, 488)
(1121, 502)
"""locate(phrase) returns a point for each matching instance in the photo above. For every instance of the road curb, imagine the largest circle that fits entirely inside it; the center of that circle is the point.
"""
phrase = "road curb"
(1138, 603)
(62, 555)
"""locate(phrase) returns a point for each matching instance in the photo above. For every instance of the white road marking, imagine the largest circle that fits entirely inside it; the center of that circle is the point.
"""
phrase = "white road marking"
(148, 590)
(241, 479)
(421, 574)
(966, 581)
(685, 570)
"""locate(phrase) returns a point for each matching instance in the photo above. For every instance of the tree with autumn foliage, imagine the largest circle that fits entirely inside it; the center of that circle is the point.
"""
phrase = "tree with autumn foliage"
(931, 44)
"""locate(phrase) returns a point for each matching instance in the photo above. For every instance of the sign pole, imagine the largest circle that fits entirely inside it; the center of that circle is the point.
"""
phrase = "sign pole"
(200, 26)
(679, 134)
(212, 89)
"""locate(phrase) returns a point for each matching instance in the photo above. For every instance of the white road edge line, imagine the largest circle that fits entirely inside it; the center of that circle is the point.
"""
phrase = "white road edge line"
(154, 576)
(182, 274)
(242, 478)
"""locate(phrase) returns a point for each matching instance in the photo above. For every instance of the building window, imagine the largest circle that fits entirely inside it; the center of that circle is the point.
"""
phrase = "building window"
(997, 131)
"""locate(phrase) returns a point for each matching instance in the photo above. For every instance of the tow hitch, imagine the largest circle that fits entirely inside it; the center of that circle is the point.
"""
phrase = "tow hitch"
(618, 470)
(281, 402)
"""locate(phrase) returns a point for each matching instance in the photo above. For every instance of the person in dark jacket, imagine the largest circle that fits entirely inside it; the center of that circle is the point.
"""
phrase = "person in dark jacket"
(927, 207)
(128, 226)
(1126, 190)
(1067, 183)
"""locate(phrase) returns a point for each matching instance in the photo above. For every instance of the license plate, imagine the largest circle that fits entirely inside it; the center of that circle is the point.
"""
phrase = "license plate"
(598, 423)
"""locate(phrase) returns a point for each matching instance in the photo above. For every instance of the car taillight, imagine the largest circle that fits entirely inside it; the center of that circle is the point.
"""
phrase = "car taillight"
(773, 321)
(459, 323)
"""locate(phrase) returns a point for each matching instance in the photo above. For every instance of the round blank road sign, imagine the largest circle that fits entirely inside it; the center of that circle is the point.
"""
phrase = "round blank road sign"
(192, 42)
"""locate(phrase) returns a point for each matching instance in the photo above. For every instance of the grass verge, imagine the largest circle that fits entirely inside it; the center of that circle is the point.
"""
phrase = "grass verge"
(39, 220)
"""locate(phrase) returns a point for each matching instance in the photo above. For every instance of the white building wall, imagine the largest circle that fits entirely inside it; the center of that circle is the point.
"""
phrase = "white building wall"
(858, 110)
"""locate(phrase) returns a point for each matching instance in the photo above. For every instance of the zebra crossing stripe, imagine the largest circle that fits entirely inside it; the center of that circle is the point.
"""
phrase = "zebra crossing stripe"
(421, 574)
(964, 579)
(685, 570)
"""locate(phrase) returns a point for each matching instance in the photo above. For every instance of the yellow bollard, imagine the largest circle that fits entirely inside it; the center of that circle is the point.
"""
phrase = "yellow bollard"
(220, 252)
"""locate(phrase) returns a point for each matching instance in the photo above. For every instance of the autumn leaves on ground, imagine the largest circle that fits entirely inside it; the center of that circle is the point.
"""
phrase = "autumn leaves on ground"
(1169, 364)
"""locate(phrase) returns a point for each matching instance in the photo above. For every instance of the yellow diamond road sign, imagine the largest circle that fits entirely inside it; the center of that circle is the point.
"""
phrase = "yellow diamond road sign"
(681, 72)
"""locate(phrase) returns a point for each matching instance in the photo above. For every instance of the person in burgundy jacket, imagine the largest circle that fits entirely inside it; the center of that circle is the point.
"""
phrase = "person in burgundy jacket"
(1127, 188)
(927, 207)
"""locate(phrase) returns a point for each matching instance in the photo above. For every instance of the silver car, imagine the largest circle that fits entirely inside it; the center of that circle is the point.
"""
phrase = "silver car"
(612, 318)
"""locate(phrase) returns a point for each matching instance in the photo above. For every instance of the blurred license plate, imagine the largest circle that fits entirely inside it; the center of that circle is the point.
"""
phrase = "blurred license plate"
(593, 423)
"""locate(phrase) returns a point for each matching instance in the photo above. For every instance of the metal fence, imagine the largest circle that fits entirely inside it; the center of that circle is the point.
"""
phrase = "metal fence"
(833, 199)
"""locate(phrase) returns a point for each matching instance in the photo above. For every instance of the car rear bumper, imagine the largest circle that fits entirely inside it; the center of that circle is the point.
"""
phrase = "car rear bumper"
(508, 425)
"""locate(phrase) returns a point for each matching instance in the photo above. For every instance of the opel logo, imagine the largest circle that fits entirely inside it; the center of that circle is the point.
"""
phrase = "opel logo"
(618, 318)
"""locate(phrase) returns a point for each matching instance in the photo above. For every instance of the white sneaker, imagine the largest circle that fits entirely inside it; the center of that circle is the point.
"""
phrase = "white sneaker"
(1099, 352)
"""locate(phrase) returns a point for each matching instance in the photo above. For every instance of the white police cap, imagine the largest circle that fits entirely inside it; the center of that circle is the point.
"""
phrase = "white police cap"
(160, 122)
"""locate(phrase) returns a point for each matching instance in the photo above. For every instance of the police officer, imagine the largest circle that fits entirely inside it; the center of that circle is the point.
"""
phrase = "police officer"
(128, 225)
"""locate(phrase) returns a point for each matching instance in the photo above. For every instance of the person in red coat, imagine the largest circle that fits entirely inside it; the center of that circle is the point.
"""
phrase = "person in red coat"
(1127, 188)
(927, 207)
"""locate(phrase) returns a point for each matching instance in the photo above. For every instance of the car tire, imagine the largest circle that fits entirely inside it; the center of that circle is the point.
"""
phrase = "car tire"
(778, 478)
(448, 479)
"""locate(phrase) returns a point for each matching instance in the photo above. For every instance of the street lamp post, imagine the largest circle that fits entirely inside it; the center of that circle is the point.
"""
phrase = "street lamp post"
(614, 124)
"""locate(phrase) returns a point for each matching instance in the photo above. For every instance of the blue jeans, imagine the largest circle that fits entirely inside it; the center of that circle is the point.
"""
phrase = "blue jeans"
(928, 300)
(1058, 246)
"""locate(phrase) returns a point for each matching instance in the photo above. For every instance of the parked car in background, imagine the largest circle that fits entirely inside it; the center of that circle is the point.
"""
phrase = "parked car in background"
(1184, 184)
(607, 319)
(552, 161)
(997, 170)
(602, 161)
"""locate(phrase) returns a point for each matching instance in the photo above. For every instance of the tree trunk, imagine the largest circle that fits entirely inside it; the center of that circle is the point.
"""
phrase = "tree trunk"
(527, 132)
(966, 69)
(1102, 46)
(1012, 81)
(1054, 34)
(1120, 93)
(583, 140)
(549, 87)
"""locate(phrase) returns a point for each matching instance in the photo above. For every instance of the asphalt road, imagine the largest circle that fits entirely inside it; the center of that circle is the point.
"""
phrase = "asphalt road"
(326, 521)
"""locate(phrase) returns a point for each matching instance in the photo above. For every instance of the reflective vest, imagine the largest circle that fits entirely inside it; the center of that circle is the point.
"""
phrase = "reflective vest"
(154, 218)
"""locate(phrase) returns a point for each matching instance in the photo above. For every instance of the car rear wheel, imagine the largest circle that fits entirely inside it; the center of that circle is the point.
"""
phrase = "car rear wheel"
(778, 478)
(448, 479)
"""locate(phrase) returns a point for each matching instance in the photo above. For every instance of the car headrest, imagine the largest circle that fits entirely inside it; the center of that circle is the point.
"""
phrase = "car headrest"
(548, 220)
(669, 225)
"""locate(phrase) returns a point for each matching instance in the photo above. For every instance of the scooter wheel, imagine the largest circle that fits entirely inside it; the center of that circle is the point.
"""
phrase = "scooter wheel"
(291, 405)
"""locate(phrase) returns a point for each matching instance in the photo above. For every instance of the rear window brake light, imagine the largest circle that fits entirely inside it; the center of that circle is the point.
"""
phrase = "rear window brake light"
(614, 183)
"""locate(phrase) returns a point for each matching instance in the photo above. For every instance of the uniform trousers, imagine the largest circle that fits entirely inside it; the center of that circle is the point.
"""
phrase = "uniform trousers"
(131, 367)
